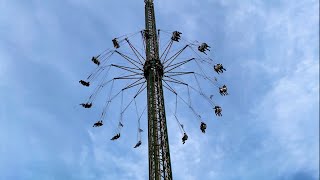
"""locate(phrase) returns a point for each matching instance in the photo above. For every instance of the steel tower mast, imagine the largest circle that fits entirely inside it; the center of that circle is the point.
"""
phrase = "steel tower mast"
(158, 143)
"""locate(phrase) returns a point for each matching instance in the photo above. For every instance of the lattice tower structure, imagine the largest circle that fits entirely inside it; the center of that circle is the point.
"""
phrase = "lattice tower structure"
(158, 143)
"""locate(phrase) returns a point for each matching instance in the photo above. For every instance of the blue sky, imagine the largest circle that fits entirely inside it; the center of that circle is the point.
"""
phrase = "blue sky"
(270, 124)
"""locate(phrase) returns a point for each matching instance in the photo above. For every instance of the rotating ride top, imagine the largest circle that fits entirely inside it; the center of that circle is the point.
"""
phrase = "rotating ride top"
(166, 59)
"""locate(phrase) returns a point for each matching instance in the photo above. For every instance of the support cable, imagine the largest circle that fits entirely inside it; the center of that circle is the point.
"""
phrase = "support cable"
(139, 118)
(130, 60)
(104, 58)
(209, 79)
(165, 45)
(174, 80)
(175, 115)
(200, 57)
(120, 124)
(169, 87)
(130, 69)
(103, 114)
(189, 106)
(190, 45)
(125, 35)
(111, 98)
(177, 65)
(173, 57)
(200, 91)
(134, 84)
(136, 95)
(166, 51)
(135, 51)
(181, 128)
(99, 87)
(196, 90)
(131, 76)
(178, 73)
(95, 73)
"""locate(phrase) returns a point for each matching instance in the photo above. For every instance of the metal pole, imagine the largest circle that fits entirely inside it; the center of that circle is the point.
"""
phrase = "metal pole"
(158, 143)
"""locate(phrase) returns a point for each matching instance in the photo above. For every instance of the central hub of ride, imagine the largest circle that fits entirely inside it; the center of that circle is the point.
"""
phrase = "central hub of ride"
(153, 65)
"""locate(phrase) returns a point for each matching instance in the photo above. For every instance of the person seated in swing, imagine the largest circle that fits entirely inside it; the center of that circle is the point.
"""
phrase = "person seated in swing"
(176, 36)
(86, 105)
(138, 144)
(203, 127)
(84, 83)
(184, 138)
(115, 43)
(98, 124)
(221, 68)
(95, 60)
(117, 136)
(218, 110)
(216, 68)
(223, 90)
(224, 87)
(203, 47)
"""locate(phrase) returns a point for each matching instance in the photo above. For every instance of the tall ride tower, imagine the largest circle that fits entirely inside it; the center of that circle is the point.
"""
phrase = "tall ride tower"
(158, 143)
(155, 71)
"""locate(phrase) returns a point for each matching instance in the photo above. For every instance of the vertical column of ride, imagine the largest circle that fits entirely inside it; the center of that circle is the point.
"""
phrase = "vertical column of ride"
(159, 156)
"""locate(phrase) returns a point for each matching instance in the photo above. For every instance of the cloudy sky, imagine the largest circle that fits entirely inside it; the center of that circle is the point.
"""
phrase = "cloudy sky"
(270, 124)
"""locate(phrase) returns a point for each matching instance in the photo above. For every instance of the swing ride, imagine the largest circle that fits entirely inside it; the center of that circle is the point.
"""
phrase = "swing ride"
(164, 60)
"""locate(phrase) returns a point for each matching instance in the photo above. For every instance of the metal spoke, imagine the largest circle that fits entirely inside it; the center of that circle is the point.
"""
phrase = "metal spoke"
(130, 69)
(178, 65)
(135, 51)
(172, 58)
(130, 60)
(178, 73)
